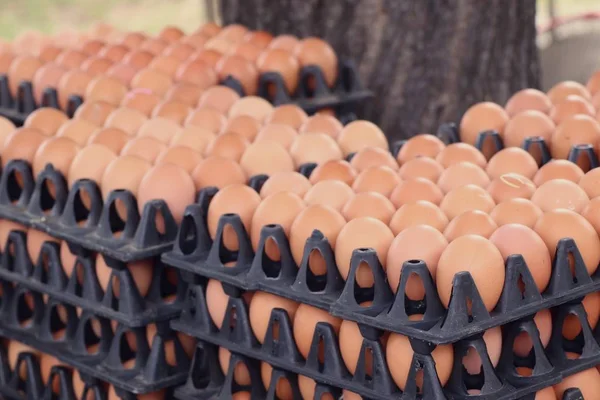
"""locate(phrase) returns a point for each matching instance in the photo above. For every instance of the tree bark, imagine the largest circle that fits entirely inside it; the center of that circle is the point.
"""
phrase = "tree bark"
(426, 61)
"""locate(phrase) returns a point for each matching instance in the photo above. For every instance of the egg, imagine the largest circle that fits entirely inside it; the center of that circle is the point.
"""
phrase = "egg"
(196, 41)
(182, 156)
(465, 198)
(516, 211)
(571, 105)
(188, 344)
(124, 172)
(282, 62)
(330, 192)
(285, 182)
(22, 68)
(172, 110)
(492, 339)
(141, 100)
(261, 306)
(230, 145)
(320, 123)
(241, 69)
(563, 89)
(196, 73)
(138, 59)
(560, 194)
(571, 225)
(123, 73)
(423, 145)
(266, 157)
(229, 173)
(543, 320)
(369, 204)
(94, 111)
(241, 375)
(376, 179)
(22, 144)
(416, 242)
(114, 52)
(159, 128)
(526, 100)
(96, 65)
(47, 362)
(593, 83)
(287, 114)
(6, 58)
(179, 51)
(46, 120)
(6, 128)
(254, 106)
(512, 160)
(127, 120)
(193, 137)
(145, 147)
(133, 39)
(531, 123)
(308, 386)
(57, 151)
(282, 134)
(108, 90)
(35, 240)
(220, 98)
(412, 190)
(572, 325)
(461, 174)
(473, 222)
(418, 213)
(216, 302)
(6, 227)
(305, 322)
(486, 266)
(157, 82)
(482, 117)
(362, 233)
(245, 125)
(590, 182)
(47, 76)
(577, 129)
(206, 118)
(314, 148)
(313, 51)
(141, 273)
(591, 212)
(372, 157)
(185, 93)
(208, 56)
(460, 152)
(359, 134)
(340, 170)
(588, 382)
(47, 53)
(72, 83)
(351, 341)
(283, 387)
(509, 186)
(558, 169)
(285, 42)
(90, 163)
(14, 349)
(422, 167)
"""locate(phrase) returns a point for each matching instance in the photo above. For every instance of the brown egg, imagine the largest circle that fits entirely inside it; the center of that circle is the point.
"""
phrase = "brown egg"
(248, 51)
(423, 145)
(91, 47)
(593, 84)
(196, 73)
(216, 302)
(531, 123)
(285, 42)
(282, 134)
(282, 62)
(314, 148)
(71, 83)
(293, 182)
(574, 226)
(320, 123)
(164, 64)
(588, 382)
(175, 111)
(493, 343)
(422, 167)
(473, 222)
(563, 89)
(94, 111)
(324, 218)
(591, 212)
(313, 51)
(207, 56)
(22, 144)
(578, 129)
(460, 174)
(572, 325)
(283, 387)
(510, 186)
(193, 137)
(377, 179)
(523, 344)
(234, 33)
(46, 120)
(141, 272)
(221, 98)
(179, 51)
(90, 163)
(158, 183)
(340, 170)
(413, 190)
(518, 239)
(305, 322)
(417, 242)
(184, 93)
(156, 81)
(528, 99)
(266, 158)
(261, 39)
(47, 76)
(359, 134)
(288, 114)
(147, 148)
(482, 117)
(46, 363)
(372, 157)
(57, 151)
(558, 169)
(351, 341)
(126, 119)
(220, 45)
(241, 69)
(245, 125)
(108, 90)
(418, 213)
(114, 52)
(124, 172)
(206, 118)
(47, 53)
(253, 106)
(261, 306)
(188, 344)
(182, 156)
(141, 100)
(560, 193)
(22, 68)
(307, 387)
(229, 173)
(362, 233)
(138, 59)
(196, 41)
(332, 193)
(229, 145)
(6, 227)
(459, 152)
(516, 211)
(159, 128)
(512, 160)
(122, 72)
(35, 240)
(465, 198)
(590, 182)
(15, 348)
(545, 394)
(96, 65)
(486, 266)
(208, 29)
(6, 58)
(369, 204)
(6, 128)
(571, 105)
(241, 375)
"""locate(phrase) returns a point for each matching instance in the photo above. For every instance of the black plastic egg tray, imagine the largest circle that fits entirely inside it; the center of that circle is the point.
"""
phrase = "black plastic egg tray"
(40, 325)
(18, 109)
(500, 383)
(312, 93)
(82, 289)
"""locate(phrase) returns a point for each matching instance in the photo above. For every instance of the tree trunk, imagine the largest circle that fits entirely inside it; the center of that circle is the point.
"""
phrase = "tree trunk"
(426, 61)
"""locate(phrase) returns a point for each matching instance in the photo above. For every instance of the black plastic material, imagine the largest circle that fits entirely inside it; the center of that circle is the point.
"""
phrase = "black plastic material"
(312, 93)
(82, 289)
(18, 109)
(55, 328)
(195, 252)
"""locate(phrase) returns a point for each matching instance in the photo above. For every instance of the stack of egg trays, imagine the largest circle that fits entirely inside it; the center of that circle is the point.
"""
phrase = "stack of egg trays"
(18, 108)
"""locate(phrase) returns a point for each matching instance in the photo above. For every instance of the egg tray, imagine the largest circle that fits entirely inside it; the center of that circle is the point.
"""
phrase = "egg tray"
(312, 93)
(82, 288)
(39, 326)
(195, 252)
(501, 383)
(18, 109)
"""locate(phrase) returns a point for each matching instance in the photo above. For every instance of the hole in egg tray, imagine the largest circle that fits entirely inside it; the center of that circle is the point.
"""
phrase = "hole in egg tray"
(93, 345)
(17, 110)
(195, 252)
(504, 381)
(82, 289)
(312, 94)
